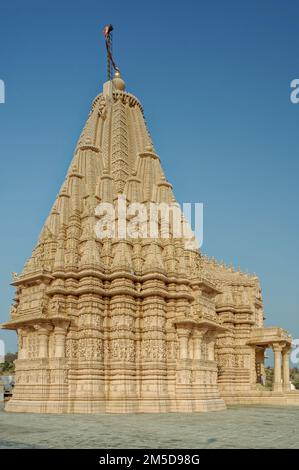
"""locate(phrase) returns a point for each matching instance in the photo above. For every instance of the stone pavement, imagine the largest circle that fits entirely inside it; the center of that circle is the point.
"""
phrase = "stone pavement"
(238, 427)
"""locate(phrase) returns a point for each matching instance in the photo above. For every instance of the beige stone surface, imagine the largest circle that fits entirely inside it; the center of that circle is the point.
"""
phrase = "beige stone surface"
(132, 325)
(235, 428)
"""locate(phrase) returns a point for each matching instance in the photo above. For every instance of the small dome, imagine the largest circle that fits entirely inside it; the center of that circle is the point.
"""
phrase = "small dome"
(149, 147)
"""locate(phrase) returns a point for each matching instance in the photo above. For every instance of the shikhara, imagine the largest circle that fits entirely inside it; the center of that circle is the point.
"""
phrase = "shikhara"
(134, 324)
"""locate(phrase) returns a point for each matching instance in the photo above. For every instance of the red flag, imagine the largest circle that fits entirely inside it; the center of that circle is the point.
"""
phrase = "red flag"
(108, 28)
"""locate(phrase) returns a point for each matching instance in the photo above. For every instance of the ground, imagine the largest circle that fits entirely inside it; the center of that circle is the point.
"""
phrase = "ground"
(238, 427)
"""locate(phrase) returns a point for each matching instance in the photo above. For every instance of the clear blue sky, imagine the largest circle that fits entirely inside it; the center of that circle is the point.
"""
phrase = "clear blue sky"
(214, 79)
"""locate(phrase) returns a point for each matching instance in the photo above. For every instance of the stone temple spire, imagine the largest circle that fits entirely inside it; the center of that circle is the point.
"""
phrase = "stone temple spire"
(123, 323)
(93, 307)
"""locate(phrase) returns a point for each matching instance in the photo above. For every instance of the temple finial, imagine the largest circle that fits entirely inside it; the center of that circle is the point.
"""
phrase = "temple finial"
(118, 82)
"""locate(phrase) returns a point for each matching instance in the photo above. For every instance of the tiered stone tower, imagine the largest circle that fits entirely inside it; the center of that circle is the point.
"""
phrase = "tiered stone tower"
(131, 324)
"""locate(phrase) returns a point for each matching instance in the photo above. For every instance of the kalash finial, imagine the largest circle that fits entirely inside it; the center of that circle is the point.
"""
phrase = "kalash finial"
(117, 81)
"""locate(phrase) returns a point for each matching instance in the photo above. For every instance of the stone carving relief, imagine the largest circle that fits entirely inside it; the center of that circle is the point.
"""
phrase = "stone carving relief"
(90, 349)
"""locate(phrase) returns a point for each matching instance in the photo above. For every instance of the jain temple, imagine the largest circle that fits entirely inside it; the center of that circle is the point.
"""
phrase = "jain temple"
(126, 324)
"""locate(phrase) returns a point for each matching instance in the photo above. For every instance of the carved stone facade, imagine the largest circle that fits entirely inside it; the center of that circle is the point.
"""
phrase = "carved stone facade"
(126, 324)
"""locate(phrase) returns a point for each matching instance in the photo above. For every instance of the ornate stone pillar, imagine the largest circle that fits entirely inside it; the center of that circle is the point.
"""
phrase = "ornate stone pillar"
(226, 344)
(23, 343)
(60, 331)
(277, 385)
(183, 336)
(154, 349)
(184, 365)
(211, 339)
(121, 376)
(85, 350)
(253, 377)
(286, 369)
(260, 367)
(197, 337)
(122, 360)
(43, 332)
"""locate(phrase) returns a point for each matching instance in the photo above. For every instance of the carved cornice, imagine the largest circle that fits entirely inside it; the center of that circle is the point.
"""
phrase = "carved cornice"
(33, 322)
(120, 95)
(40, 275)
(99, 274)
(269, 336)
(205, 286)
(113, 291)
(91, 147)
